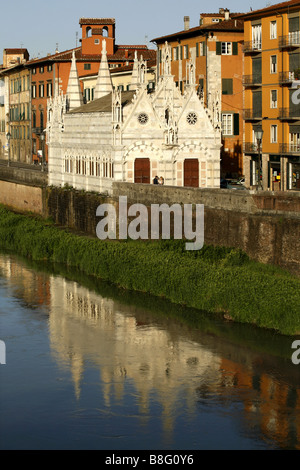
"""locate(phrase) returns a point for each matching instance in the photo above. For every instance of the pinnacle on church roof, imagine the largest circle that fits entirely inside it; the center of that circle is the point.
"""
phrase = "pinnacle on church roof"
(104, 83)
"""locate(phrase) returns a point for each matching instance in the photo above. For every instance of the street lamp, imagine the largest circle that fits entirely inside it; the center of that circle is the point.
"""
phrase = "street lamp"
(258, 136)
(8, 135)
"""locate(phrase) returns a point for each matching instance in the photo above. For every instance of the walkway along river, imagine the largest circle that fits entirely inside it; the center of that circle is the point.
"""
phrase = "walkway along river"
(90, 366)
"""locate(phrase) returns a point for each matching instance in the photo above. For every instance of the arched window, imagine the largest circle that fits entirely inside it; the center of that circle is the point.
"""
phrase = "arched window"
(105, 32)
(88, 32)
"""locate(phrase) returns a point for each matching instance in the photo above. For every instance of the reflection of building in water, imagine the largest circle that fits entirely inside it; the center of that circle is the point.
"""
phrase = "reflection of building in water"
(275, 405)
(164, 361)
(32, 286)
(155, 360)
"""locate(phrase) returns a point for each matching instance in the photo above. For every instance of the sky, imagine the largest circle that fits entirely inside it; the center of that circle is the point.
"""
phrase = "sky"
(41, 26)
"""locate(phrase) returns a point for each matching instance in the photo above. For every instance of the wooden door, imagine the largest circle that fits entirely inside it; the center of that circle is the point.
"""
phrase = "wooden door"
(142, 170)
(191, 172)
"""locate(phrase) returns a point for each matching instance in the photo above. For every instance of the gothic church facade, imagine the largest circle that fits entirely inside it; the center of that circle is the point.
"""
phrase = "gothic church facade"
(135, 135)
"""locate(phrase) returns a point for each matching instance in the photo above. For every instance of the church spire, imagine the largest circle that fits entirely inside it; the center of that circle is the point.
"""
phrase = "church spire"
(74, 95)
(104, 83)
(135, 73)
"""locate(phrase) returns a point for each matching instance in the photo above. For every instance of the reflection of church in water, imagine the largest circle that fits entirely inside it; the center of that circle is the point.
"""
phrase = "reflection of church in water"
(164, 359)
(125, 347)
(136, 134)
(161, 358)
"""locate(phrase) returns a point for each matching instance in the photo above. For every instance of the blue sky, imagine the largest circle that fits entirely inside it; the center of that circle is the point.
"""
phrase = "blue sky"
(39, 26)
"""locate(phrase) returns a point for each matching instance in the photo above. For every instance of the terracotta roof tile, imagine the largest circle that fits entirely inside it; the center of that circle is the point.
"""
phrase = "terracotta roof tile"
(119, 55)
(234, 24)
(277, 6)
(218, 14)
(16, 51)
(97, 21)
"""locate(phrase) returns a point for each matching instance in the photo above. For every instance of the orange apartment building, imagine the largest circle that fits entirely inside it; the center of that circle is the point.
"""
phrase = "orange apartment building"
(15, 135)
(216, 45)
(54, 69)
(272, 64)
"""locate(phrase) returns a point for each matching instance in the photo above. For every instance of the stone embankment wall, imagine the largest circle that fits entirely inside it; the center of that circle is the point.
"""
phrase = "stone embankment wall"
(265, 225)
(22, 189)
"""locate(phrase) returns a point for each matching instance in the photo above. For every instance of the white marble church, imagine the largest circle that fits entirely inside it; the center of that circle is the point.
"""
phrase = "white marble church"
(133, 135)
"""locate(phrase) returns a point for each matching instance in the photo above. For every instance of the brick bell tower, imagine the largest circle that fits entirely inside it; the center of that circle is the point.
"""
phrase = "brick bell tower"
(94, 30)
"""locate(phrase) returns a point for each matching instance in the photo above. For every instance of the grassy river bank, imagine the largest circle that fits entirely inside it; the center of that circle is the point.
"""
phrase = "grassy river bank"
(214, 279)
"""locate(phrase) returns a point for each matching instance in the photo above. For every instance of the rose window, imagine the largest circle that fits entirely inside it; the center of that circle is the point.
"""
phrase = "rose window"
(143, 118)
(192, 118)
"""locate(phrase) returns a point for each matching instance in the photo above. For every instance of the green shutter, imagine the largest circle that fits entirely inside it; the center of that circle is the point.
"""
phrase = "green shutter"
(218, 48)
(234, 48)
(236, 124)
(197, 49)
(204, 47)
(181, 52)
(227, 87)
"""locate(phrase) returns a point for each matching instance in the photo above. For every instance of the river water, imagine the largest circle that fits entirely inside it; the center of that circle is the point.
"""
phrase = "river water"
(90, 366)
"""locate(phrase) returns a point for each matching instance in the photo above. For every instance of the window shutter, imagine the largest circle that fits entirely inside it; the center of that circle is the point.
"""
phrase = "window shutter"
(234, 48)
(203, 48)
(294, 62)
(197, 49)
(218, 48)
(294, 24)
(227, 87)
(236, 124)
(181, 52)
(257, 103)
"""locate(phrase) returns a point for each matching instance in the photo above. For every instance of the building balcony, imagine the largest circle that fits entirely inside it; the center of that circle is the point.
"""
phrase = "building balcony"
(252, 115)
(289, 114)
(250, 147)
(291, 149)
(252, 80)
(252, 47)
(290, 41)
(287, 78)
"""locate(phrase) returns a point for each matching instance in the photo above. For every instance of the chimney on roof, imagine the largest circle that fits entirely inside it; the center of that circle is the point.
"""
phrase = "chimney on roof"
(126, 53)
(227, 12)
(221, 11)
(186, 22)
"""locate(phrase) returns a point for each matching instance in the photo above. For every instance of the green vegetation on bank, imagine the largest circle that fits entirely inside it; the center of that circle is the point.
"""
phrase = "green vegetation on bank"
(214, 279)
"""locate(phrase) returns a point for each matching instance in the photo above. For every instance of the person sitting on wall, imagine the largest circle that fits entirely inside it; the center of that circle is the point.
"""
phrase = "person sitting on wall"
(161, 180)
(155, 180)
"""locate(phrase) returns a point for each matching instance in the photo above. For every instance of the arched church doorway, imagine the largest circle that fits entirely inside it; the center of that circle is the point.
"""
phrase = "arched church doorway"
(142, 170)
(191, 172)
